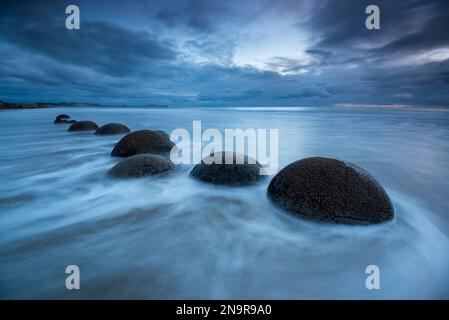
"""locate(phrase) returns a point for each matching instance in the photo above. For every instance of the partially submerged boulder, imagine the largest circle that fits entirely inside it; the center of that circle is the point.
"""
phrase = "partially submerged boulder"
(83, 126)
(64, 121)
(330, 191)
(227, 168)
(141, 165)
(143, 141)
(112, 128)
(63, 118)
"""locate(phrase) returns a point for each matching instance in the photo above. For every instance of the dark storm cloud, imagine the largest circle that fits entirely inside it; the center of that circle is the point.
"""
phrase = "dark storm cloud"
(183, 52)
(432, 35)
(405, 26)
(198, 15)
(105, 47)
(395, 59)
(173, 18)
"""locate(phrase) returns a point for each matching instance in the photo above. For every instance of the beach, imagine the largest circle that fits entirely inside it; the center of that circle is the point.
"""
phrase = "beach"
(173, 237)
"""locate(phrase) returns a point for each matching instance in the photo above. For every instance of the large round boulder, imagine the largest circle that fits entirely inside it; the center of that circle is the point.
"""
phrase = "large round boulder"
(112, 128)
(331, 191)
(227, 168)
(143, 141)
(141, 165)
(83, 126)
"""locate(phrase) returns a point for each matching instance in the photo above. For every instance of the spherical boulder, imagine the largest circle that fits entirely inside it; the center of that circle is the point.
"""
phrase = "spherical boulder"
(63, 118)
(143, 141)
(141, 165)
(112, 128)
(227, 168)
(64, 121)
(83, 126)
(331, 191)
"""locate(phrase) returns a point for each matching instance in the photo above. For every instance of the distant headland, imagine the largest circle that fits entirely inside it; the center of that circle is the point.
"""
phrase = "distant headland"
(40, 105)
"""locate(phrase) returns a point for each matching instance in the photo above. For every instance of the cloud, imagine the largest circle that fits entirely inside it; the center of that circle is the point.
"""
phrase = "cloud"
(200, 16)
(406, 27)
(209, 51)
(284, 65)
(105, 47)
(224, 53)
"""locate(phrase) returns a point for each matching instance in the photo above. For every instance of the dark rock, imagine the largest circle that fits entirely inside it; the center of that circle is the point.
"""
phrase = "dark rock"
(141, 165)
(64, 121)
(228, 172)
(62, 116)
(331, 191)
(83, 126)
(143, 141)
(112, 128)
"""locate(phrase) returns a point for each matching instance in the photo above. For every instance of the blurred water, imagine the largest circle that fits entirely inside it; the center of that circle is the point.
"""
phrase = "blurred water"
(173, 237)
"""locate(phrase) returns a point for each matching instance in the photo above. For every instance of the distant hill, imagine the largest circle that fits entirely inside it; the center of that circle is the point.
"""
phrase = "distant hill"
(37, 105)
(6, 105)
(78, 104)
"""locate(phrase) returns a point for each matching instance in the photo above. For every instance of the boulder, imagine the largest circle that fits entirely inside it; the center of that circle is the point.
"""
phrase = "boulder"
(330, 191)
(62, 116)
(141, 165)
(83, 126)
(227, 168)
(112, 128)
(64, 121)
(143, 141)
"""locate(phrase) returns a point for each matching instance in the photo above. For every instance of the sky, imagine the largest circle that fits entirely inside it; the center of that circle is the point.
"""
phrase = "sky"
(218, 53)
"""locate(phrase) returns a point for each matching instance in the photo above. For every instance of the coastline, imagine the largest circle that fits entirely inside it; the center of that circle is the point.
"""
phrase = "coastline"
(45, 105)
(39, 105)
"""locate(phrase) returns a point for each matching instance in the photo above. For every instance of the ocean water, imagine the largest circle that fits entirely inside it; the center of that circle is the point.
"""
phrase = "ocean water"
(173, 237)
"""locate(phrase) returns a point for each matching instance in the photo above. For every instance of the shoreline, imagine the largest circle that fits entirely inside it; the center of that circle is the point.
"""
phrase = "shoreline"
(80, 105)
(45, 105)
(18, 106)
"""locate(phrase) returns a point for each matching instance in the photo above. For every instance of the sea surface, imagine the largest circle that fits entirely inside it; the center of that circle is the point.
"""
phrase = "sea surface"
(173, 237)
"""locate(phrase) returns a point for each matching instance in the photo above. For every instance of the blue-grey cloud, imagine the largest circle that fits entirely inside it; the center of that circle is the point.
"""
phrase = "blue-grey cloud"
(184, 53)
